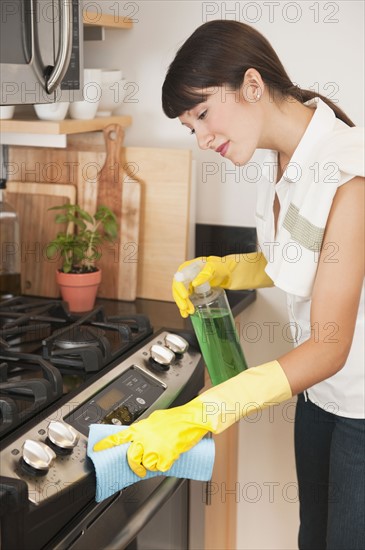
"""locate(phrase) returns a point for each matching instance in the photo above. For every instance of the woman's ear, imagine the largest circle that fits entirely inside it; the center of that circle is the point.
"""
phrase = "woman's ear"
(252, 87)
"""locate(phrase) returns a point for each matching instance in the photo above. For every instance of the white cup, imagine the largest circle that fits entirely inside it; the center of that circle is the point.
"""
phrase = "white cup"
(86, 109)
(52, 111)
(7, 111)
(112, 98)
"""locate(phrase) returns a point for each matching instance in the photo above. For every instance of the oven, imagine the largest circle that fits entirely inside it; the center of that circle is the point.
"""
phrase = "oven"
(60, 372)
(41, 57)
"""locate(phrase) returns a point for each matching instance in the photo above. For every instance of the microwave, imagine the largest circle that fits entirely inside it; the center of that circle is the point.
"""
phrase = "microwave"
(41, 51)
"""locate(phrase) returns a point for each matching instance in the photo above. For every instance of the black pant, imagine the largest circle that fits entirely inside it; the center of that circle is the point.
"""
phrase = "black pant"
(330, 460)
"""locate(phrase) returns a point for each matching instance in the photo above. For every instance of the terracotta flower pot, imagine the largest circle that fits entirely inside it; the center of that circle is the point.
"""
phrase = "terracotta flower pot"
(79, 290)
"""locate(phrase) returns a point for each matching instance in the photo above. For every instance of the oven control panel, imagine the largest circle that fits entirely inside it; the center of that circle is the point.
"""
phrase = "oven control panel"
(51, 456)
(120, 403)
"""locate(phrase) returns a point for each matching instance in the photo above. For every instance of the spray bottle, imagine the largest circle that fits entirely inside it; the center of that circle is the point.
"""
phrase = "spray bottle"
(214, 327)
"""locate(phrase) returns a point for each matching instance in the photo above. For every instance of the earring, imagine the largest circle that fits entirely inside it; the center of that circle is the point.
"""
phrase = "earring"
(258, 95)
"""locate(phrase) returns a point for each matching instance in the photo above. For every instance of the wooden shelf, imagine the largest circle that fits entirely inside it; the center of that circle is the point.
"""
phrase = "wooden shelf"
(95, 19)
(66, 126)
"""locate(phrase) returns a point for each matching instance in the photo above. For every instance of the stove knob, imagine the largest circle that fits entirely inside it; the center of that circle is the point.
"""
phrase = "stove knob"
(162, 355)
(38, 455)
(62, 435)
(176, 343)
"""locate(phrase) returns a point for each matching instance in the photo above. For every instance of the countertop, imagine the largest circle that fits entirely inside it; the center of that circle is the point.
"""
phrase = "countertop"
(166, 314)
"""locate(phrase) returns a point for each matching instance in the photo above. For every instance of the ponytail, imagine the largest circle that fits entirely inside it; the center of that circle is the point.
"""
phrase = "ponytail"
(305, 95)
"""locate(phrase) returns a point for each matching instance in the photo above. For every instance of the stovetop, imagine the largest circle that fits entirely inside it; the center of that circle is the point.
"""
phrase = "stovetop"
(59, 373)
(46, 352)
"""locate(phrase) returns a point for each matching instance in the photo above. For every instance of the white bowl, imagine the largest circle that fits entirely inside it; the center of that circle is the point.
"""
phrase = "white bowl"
(111, 75)
(7, 111)
(112, 96)
(52, 111)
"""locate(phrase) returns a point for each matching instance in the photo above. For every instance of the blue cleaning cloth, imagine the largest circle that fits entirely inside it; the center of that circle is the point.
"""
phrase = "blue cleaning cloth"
(113, 472)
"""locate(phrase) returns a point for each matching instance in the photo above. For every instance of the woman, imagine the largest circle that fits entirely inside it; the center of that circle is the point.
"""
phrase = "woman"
(228, 87)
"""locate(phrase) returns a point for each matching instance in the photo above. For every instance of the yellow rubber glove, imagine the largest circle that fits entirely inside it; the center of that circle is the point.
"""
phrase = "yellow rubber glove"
(232, 272)
(157, 441)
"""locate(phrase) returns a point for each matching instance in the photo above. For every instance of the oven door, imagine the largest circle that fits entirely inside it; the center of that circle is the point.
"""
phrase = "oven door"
(40, 51)
(148, 515)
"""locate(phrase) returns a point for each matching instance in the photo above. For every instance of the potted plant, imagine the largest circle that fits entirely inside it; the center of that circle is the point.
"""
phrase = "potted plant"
(79, 248)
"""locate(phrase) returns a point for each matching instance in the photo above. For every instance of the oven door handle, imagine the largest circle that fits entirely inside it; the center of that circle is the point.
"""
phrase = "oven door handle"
(145, 513)
(65, 47)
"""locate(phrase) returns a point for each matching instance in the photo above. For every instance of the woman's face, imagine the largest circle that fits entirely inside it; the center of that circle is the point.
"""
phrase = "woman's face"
(229, 122)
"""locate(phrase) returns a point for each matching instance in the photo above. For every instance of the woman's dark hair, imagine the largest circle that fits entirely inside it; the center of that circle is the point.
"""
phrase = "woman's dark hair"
(219, 53)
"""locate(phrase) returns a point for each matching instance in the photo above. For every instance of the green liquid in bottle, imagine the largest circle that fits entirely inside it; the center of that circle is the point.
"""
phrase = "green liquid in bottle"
(219, 343)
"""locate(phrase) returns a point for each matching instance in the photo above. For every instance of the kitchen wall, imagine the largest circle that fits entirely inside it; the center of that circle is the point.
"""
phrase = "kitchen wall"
(321, 44)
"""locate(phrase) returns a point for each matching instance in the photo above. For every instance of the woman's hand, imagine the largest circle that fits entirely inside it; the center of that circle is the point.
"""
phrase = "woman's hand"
(233, 272)
(157, 441)
(215, 270)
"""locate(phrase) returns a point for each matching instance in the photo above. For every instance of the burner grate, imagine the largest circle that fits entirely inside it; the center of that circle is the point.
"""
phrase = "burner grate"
(24, 323)
(49, 352)
(20, 311)
(93, 340)
(28, 384)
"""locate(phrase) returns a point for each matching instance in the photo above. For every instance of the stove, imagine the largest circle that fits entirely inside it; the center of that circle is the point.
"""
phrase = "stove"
(46, 352)
(59, 373)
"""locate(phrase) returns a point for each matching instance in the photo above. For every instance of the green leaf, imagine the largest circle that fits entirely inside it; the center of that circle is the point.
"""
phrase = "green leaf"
(61, 218)
(52, 250)
(85, 216)
(62, 207)
(110, 228)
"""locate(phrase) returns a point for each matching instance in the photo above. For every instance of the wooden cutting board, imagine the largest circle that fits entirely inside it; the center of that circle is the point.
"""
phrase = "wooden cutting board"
(163, 176)
(37, 228)
(164, 230)
(122, 194)
(164, 179)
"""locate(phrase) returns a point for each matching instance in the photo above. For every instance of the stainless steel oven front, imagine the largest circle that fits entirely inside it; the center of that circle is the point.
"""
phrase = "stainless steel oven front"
(41, 51)
(54, 507)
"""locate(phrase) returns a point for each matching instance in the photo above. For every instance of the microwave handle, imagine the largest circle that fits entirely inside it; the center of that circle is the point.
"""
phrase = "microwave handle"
(65, 47)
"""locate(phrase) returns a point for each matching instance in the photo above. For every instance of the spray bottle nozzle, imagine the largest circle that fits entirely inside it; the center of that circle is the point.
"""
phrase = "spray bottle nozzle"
(188, 274)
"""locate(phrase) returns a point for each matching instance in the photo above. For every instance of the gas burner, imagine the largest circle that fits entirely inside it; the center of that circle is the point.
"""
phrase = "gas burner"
(93, 340)
(78, 337)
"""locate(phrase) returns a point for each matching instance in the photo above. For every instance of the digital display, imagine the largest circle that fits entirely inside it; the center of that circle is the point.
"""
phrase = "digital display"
(110, 398)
